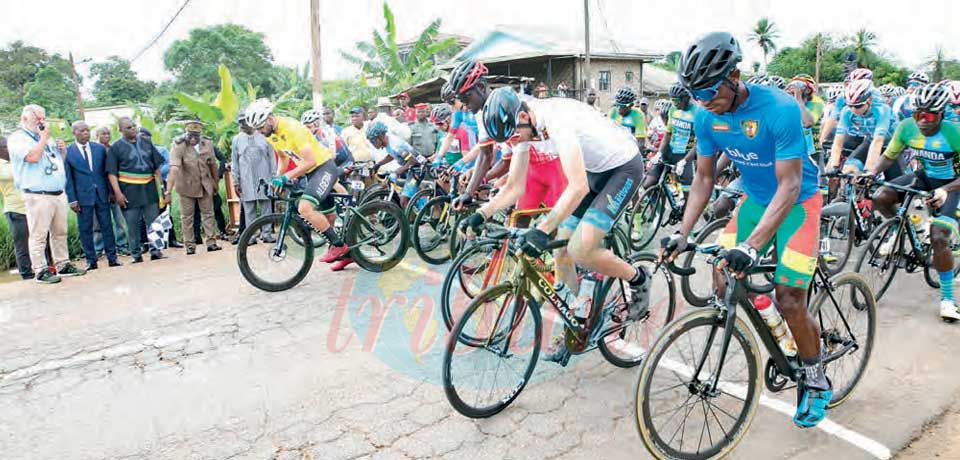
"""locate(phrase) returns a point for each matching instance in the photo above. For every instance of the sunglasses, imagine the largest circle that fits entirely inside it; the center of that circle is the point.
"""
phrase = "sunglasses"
(929, 117)
(913, 84)
(464, 96)
(705, 94)
(858, 106)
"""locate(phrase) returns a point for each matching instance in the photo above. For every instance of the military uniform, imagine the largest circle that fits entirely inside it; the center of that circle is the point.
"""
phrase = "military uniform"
(195, 181)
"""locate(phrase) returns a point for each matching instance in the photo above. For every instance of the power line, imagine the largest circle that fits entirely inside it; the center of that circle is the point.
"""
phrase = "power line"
(612, 39)
(162, 31)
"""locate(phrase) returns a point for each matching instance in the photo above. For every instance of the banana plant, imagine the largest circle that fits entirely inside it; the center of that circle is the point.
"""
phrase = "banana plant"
(218, 115)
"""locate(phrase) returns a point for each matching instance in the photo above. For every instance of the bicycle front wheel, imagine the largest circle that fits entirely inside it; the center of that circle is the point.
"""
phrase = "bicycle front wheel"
(432, 229)
(647, 217)
(684, 416)
(837, 237)
(491, 352)
(276, 266)
(377, 235)
(878, 263)
(699, 288)
(480, 266)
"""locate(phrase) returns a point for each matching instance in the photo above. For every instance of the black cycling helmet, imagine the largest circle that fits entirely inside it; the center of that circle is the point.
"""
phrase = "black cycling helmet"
(440, 113)
(677, 92)
(500, 114)
(777, 81)
(465, 75)
(932, 97)
(625, 96)
(709, 59)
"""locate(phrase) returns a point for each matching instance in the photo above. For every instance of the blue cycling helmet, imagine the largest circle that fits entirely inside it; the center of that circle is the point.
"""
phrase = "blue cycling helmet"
(375, 130)
(500, 113)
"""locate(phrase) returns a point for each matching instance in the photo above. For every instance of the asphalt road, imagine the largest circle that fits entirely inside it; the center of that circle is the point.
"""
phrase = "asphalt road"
(182, 359)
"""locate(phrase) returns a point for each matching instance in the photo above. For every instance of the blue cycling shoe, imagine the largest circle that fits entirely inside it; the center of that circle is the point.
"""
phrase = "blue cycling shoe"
(811, 405)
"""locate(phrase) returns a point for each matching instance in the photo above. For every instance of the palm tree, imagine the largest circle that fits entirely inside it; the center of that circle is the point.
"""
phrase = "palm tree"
(938, 63)
(381, 58)
(862, 41)
(764, 33)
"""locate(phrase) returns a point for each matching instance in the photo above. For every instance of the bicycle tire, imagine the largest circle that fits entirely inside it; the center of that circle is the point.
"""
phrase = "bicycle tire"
(251, 232)
(425, 217)
(453, 396)
(928, 270)
(454, 276)
(652, 439)
(832, 268)
(355, 230)
(650, 210)
(686, 287)
(603, 289)
(425, 194)
(871, 249)
(862, 303)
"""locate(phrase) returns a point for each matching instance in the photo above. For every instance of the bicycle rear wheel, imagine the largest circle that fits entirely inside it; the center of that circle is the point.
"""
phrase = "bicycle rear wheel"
(491, 352)
(274, 266)
(480, 266)
(647, 217)
(376, 240)
(699, 288)
(628, 346)
(878, 263)
(837, 238)
(432, 229)
(677, 413)
(847, 314)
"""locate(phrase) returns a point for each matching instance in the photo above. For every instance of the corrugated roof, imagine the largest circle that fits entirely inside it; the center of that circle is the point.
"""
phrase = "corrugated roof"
(502, 44)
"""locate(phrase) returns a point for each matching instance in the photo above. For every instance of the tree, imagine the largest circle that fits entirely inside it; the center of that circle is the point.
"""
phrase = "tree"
(19, 65)
(397, 68)
(116, 83)
(51, 90)
(764, 33)
(194, 60)
(862, 41)
(793, 61)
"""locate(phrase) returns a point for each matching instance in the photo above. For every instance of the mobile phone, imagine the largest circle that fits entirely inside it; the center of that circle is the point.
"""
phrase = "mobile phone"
(41, 126)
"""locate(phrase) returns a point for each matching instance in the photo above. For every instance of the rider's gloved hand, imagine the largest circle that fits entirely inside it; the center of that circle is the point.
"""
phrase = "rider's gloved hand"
(473, 223)
(459, 166)
(461, 201)
(534, 242)
(671, 246)
(680, 166)
(279, 182)
(865, 178)
(741, 258)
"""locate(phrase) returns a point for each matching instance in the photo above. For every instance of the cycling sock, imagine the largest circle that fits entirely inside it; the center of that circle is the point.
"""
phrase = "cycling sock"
(946, 285)
(813, 374)
(331, 235)
(638, 277)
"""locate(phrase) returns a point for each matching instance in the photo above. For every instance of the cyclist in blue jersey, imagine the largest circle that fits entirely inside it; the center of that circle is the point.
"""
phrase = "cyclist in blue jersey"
(397, 150)
(678, 146)
(936, 146)
(864, 129)
(830, 121)
(952, 114)
(902, 107)
(759, 128)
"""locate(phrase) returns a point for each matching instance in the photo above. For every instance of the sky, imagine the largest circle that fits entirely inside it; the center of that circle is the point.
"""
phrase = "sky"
(98, 29)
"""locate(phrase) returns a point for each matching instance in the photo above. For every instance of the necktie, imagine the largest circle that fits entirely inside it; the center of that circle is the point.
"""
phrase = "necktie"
(86, 157)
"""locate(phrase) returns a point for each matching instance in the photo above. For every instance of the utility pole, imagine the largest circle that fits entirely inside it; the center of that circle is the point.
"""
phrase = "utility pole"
(816, 70)
(315, 57)
(76, 87)
(586, 46)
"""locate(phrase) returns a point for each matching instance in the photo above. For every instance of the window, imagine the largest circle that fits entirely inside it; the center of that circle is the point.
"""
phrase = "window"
(628, 76)
(604, 82)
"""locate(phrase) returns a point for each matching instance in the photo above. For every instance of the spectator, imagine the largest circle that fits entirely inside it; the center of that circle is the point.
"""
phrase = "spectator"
(133, 165)
(328, 121)
(38, 173)
(388, 118)
(409, 113)
(400, 116)
(562, 89)
(16, 213)
(423, 133)
(164, 171)
(219, 218)
(541, 91)
(592, 100)
(252, 162)
(355, 136)
(644, 105)
(194, 174)
(85, 168)
(371, 114)
(116, 214)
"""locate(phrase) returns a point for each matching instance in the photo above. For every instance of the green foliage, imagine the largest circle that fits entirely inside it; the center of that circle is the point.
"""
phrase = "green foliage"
(116, 83)
(51, 90)
(764, 34)
(19, 65)
(669, 62)
(862, 41)
(217, 113)
(792, 61)
(194, 60)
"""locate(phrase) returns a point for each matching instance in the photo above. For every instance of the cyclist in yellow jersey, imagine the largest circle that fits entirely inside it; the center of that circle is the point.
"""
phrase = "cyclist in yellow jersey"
(313, 162)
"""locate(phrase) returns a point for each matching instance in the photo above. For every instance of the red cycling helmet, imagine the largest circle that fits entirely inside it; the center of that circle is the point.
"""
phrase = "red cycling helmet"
(465, 75)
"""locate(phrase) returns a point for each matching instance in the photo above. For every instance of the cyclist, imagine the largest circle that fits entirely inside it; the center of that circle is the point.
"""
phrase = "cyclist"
(468, 87)
(830, 123)
(628, 117)
(953, 109)
(293, 142)
(902, 107)
(679, 143)
(313, 120)
(397, 150)
(603, 168)
(461, 142)
(759, 128)
(936, 146)
(887, 90)
(759, 79)
(864, 129)
(803, 89)
(777, 81)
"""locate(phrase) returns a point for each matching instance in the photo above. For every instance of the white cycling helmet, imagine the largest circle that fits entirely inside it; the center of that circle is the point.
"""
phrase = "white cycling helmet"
(257, 113)
(858, 92)
(886, 90)
(662, 105)
(919, 76)
(833, 92)
(899, 91)
(310, 117)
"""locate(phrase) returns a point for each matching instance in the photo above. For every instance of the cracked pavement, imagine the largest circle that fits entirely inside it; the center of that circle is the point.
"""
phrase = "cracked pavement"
(182, 359)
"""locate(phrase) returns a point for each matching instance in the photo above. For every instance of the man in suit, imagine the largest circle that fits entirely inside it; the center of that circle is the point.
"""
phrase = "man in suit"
(87, 193)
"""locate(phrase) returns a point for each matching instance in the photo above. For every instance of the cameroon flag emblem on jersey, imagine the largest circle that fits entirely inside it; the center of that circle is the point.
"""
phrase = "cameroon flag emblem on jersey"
(749, 128)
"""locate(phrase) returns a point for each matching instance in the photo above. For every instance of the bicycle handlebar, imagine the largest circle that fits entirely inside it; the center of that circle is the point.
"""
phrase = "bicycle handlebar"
(719, 253)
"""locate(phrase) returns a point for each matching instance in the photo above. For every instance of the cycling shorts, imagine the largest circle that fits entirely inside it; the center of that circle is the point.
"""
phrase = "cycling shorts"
(409, 187)
(797, 239)
(319, 184)
(859, 148)
(545, 183)
(946, 215)
(685, 177)
(610, 192)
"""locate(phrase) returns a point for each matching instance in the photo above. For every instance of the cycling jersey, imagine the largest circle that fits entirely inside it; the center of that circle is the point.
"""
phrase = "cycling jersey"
(878, 122)
(289, 138)
(399, 149)
(815, 108)
(937, 154)
(765, 128)
(468, 122)
(634, 122)
(680, 127)
(902, 108)
(951, 115)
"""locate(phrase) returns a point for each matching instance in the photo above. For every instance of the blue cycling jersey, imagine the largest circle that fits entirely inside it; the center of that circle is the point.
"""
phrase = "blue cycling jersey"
(877, 122)
(399, 149)
(764, 129)
(951, 115)
(680, 127)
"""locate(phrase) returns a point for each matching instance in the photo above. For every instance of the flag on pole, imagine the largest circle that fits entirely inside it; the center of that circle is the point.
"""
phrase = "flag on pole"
(159, 230)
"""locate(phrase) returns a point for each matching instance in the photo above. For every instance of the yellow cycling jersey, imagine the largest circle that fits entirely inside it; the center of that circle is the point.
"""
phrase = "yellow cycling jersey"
(290, 137)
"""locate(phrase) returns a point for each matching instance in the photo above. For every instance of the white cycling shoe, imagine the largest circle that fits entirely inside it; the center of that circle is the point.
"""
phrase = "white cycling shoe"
(948, 311)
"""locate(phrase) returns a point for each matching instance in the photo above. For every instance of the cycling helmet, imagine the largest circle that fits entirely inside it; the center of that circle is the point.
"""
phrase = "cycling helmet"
(440, 113)
(500, 114)
(625, 96)
(759, 79)
(465, 75)
(886, 90)
(932, 97)
(677, 92)
(446, 92)
(777, 81)
(375, 130)
(708, 60)
(662, 105)
(832, 93)
(954, 89)
(899, 91)
(257, 113)
(861, 74)
(858, 92)
(807, 81)
(310, 117)
(919, 76)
